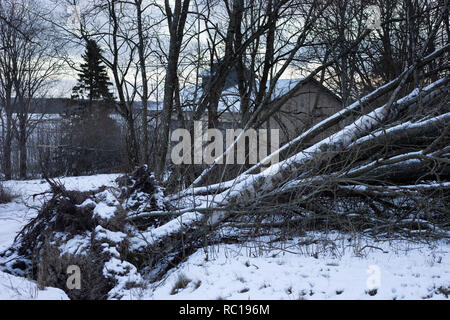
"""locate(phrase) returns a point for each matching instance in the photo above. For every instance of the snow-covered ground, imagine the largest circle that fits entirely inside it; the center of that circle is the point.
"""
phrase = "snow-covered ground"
(348, 270)
(335, 266)
(17, 288)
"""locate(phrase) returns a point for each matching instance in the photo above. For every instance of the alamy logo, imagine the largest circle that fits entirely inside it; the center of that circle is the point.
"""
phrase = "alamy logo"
(74, 278)
(374, 17)
(208, 146)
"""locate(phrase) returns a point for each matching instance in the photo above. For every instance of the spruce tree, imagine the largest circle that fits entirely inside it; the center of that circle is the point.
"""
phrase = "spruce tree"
(93, 81)
(91, 136)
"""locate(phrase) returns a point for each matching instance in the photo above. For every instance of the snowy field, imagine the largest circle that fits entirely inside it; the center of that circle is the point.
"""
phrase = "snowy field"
(345, 268)
(401, 271)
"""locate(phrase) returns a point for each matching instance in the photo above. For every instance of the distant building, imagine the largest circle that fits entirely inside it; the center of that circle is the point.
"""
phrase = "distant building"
(311, 103)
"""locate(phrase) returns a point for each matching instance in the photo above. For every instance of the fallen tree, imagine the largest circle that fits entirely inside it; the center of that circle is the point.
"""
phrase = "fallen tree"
(354, 108)
(364, 131)
(386, 174)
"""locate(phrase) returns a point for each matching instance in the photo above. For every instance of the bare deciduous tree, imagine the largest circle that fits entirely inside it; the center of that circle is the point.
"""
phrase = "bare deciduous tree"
(28, 67)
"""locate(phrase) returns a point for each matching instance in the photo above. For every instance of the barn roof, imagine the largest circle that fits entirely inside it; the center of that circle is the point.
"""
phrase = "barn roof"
(230, 99)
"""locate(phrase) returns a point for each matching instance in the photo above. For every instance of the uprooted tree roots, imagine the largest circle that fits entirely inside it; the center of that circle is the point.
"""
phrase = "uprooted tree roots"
(87, 230)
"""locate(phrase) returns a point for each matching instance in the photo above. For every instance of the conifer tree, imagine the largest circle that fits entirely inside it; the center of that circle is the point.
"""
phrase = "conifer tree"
(91, 136)
(93, 81)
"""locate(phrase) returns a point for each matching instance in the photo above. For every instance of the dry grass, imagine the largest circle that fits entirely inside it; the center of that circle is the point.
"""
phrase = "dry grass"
(181, 283)
(6, 195)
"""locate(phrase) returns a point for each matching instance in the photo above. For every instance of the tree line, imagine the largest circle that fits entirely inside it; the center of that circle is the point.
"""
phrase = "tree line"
(153, 50)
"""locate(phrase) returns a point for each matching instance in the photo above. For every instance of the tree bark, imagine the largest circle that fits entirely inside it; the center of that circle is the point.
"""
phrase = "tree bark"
(22, 139)
(7, 147)
(176, 21)
(144, 98)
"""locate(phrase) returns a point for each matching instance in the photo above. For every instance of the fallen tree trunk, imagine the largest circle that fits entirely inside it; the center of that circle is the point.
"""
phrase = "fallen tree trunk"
(214, 205)
(250, 186)
(334, 119)
(364, 136)
(405, 133)
(321, 152)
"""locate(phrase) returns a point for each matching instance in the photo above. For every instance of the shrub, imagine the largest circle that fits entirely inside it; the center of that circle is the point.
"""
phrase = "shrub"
(5, 195)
